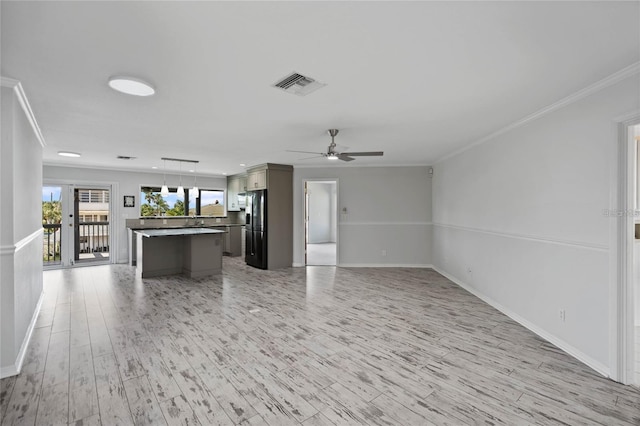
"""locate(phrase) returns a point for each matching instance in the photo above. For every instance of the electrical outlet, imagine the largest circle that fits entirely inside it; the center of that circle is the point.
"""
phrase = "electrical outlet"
(164, 221)
(141, 221)
(218, 220)
(384, 253)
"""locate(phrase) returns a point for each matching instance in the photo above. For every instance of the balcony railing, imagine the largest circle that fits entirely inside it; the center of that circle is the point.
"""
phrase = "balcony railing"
(94, 237)
(93, 241)
(51, 246)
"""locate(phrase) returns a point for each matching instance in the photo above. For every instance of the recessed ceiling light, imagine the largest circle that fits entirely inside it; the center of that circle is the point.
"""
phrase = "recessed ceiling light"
(154, 167)
(242, 164)
(191, 171)
(131, 86)
(68, 154)
(224, 173)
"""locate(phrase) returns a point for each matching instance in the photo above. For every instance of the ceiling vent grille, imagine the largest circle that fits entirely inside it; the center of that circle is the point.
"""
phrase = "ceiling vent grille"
(125, 157)
(298, 84)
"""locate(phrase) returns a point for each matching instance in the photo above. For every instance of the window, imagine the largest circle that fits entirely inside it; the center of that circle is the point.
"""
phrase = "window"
(210, 203)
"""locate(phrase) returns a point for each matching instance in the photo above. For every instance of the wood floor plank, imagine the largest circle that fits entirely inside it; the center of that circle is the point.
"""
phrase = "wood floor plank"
(100, 341)
(272, 411)
(279, 392)
(23, 404)
(254, 421)
(201, 399)
(318, 420)
(160, 377)
(231, 401)
(56, 370)
(6, 388)
(88, 421)
(399, 412)
(36, 356)
(53, 407)
(61, 318)
(83, 396)
(114, 408)
(178, 412)
(144, 407)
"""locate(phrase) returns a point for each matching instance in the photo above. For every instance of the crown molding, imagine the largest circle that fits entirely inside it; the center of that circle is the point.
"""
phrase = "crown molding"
(580, 94)
(16, 86)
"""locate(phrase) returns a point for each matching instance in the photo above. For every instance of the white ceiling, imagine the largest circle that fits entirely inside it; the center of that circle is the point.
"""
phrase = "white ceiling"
(417, 80)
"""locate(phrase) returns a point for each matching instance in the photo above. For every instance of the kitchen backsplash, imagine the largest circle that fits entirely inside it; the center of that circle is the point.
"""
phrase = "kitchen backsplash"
(173, 221)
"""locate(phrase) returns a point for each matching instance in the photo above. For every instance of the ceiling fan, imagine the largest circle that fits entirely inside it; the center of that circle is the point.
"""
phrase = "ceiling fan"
(332, 154)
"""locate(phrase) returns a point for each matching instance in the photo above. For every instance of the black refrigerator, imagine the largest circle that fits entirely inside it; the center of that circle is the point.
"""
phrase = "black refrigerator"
(256, 229)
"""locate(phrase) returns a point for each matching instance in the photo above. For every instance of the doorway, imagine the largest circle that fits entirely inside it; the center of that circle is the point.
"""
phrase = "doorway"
(77, 225)
(321, 222)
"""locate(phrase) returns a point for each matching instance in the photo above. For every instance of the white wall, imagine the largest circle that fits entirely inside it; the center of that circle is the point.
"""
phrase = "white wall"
(322, 213)
(519, 220)
(20, 227)
(123, 183)
(388, 208)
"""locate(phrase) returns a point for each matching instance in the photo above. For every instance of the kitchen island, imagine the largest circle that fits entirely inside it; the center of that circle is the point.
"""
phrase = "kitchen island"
(194, 252)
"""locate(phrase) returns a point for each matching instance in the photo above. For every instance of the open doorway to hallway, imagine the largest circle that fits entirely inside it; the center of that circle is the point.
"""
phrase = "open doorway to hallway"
(321, 222)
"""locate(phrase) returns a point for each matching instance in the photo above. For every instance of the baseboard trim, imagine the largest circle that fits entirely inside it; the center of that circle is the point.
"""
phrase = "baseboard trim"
(386, 265)
(566, 347)
(13, 370)
(374, 265)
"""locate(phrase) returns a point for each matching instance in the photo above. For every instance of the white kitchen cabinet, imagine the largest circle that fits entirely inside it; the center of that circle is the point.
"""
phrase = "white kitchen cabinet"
(233, 189)
(256, 179)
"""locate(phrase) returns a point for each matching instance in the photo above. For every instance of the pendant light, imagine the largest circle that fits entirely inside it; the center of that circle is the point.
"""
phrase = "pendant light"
(195, 190)
(164, 191)
(180, 191)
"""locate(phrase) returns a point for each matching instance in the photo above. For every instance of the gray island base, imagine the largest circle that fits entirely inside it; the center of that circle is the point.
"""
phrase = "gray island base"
(194, 252)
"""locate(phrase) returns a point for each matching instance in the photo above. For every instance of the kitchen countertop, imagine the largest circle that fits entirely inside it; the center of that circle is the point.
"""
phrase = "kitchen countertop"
(166, 232)
(220, 225)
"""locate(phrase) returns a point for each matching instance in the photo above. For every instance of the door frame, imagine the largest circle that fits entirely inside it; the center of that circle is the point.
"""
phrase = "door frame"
(114, 222)
(305, 214)
(622, 233)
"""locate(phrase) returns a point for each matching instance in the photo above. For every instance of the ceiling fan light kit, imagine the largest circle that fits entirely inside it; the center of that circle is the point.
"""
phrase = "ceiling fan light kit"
(332, 154)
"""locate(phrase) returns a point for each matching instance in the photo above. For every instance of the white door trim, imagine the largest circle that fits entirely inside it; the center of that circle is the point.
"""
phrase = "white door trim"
(114, 195)
(337, 214)
(621, 260)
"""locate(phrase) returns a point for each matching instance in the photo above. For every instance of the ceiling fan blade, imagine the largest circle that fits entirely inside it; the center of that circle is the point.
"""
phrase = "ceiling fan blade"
(309, 158)
(345, 157)
(364, 154)
(306, 152)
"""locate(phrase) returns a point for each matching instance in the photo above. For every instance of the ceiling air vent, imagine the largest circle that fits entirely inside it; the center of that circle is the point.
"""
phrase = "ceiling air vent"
(298, 84)
(125, 157)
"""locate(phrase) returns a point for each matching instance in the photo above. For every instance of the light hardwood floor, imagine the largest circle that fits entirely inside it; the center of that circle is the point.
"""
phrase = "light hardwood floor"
(322, 254)
(314, 346)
